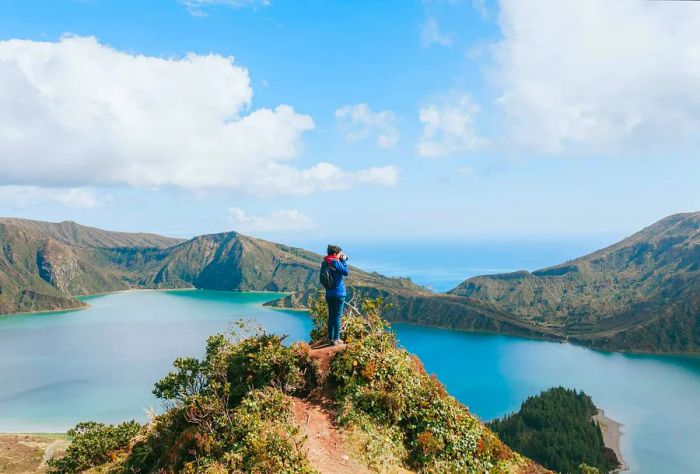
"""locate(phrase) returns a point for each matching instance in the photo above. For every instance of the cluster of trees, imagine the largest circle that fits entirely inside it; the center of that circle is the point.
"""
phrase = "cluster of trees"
(556, 428)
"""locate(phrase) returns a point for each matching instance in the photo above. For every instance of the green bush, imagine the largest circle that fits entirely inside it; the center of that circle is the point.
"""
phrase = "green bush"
(230, 411)
(318, 310)
(233, 369)
(382, 389)
(93, 444)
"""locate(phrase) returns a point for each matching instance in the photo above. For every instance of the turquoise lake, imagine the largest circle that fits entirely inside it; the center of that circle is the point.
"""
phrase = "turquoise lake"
(100, 364)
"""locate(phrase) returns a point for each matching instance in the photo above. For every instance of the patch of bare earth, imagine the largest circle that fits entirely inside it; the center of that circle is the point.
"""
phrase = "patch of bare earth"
(324, 442)
(28, 453)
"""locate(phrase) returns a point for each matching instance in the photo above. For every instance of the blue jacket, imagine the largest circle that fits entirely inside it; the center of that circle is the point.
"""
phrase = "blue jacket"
(340, 271)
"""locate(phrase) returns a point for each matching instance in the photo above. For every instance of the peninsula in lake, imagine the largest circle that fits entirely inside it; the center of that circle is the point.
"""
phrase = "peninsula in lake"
(640, 294)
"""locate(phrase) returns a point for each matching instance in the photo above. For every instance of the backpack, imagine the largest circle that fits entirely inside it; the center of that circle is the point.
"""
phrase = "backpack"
(326, 275)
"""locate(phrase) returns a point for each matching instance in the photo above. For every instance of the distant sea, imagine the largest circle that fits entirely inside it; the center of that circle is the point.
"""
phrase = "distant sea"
(441, 266)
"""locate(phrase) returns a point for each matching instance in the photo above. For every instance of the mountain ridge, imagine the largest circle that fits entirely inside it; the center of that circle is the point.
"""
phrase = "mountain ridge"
(641, 293)
(44, 266)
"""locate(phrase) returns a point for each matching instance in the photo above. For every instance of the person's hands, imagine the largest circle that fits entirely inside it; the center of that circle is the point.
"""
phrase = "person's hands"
(343, 257)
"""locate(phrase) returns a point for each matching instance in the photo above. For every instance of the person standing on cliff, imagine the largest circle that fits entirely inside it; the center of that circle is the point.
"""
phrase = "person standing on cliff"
(333, 271)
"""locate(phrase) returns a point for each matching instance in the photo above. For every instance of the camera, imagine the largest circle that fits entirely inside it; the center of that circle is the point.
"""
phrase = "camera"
(343, 256)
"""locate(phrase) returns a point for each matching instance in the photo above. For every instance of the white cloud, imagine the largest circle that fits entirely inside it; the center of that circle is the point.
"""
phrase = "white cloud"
(431, 34)
(21, 197)
(197, 7)
(450, 128)
(282, 220)
(77, 113)
(327, 176)
(600, 75)
(359, 122)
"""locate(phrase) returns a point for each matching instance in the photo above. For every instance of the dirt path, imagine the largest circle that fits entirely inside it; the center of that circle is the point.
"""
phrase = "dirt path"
(324, 444)
(323, 355)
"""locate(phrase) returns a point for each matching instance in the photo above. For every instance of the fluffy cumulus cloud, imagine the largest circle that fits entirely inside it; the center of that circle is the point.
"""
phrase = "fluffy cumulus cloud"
(430, 34)
(450, 127)
(20, 197)
(288, 220)
(327, 176)
(359, 122)
(77, 113)
(599, 75)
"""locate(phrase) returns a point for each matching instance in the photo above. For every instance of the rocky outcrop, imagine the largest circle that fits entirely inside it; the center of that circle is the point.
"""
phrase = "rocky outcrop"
(58, 266)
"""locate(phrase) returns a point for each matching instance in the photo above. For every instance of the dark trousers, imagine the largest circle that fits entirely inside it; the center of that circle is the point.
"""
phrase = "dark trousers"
(335, 311)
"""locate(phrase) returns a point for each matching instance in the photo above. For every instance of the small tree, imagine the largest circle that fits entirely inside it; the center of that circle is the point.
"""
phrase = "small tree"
(93, 444)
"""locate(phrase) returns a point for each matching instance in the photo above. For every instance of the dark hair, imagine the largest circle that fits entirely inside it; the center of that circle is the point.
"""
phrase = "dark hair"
(333, 249)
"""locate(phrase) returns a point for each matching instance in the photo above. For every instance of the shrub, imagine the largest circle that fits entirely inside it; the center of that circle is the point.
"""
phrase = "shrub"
(228, 412)
(231, 369)
(93, 444)
(318, 310)
(379, 446)
(385, 392)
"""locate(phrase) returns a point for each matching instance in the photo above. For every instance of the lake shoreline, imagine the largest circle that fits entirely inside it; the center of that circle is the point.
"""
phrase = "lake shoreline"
(612, 433)
(188, 288)
(132, 290)
(550, 337)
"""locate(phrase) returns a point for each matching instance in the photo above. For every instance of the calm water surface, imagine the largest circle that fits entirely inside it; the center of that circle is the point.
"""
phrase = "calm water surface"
(60, 368)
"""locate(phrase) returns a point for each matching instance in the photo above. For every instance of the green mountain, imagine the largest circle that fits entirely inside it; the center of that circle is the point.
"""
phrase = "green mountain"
(640, 294)
(44, 266)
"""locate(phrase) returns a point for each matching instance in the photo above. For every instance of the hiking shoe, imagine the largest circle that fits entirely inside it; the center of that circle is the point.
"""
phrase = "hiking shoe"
(338, 342)
(321, 343)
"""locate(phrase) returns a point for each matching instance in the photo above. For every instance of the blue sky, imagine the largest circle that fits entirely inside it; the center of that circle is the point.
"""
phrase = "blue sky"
(436, 120)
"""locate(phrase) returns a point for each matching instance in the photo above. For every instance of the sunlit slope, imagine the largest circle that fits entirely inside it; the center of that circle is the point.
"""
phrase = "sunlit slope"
(43, 265)
(233, 261)
(642, 293)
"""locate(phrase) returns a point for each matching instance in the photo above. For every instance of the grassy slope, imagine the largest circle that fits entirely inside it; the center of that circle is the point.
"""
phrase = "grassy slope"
(642, 293)
(43, 265)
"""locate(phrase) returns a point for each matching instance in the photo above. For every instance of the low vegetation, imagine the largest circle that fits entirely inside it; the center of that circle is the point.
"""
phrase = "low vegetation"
(384, 392)
(93, 444)
(232, 411)
(556, 429)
